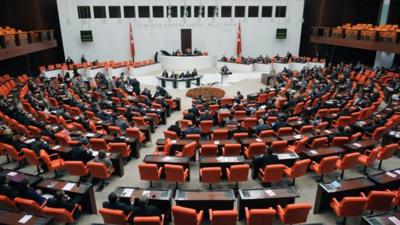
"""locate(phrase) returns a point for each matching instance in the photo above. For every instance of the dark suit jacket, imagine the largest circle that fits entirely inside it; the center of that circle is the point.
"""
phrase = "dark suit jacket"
(64, 203)
(194, 111)
(119, 206)
(147, 211)
(8, 191)
(30, 193)
(79, 154)
(176, 129)
(36, 146)
(261, 127)
(259, 162)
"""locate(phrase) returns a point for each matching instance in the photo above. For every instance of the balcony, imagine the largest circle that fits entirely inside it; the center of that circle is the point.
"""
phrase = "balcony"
(386, 41)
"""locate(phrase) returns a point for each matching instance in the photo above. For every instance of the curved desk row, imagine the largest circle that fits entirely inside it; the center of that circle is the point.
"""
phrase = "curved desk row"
(179, 83)
(267, 68)
(187, 63)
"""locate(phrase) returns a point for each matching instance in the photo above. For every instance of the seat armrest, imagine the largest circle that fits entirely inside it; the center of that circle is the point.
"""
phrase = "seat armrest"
(199, 217)
(261, 171)
(367, 152)
(362, 194)
(210, 213)
(280, 210)
(247, 212)
(335, 201)
(54, 156)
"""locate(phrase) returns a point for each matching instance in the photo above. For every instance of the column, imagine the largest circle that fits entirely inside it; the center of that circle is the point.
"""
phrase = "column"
(384, 59)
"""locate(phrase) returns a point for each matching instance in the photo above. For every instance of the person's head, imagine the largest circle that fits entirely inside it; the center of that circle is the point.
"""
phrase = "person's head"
(260, 121)
(143, 201)
(238, 93)
(102, 155)
(230, 117)
(341, 128)
(112, 197)
(59, 195)
(347, 128)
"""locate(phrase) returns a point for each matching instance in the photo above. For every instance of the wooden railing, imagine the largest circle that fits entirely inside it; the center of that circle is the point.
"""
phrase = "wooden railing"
(25, 38)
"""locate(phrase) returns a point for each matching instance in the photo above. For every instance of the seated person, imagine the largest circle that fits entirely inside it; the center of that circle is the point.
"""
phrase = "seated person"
(238, 129)
(192, 130)
(164, 74)
(175, 128)
(260, 161)
(225, 70)
(6, 189)
(261, 126)
(61, 200)
(145, 208)
(188, 74)
(79, 153)
(25, 191)
(194, 73)
(182, 75)
(223, 59)
(114, 203)
(103, 158)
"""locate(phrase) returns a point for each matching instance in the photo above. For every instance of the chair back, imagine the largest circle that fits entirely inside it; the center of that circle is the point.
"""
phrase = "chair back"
(260, 216)
(45, 157)
(279, 146)
(12, 152)
(31, 156)
(98, 170)
(266, 133)
(296, 213)
(98, 144)
(62, 139)
(306, 129)
(388, 151)
(148, 171)
(60, 215)
(256, 149)
(170, 134)
(300, 167)
(185, 216)
(76, 168)
(28, 205)
(206, 126)
(220, 134)
(249, 122)
(139, 121)
(319, 142)
(240, 135)
(209, 150)
(239, 172)
(148, 220)
(378, 133)
(322, 126)
(185, 123)
(174, 173)
(339, 141)
(379, 200)
(121, 147)
(114, 129)
(301, 144)
(189, 150)
(226, 217)
(210, 174)
(113, 216)
(7, 203)
(349, 160)
(273, 173)
(135, 132)
(352, 206)
(328, 164)
(284, 131)
(232, 149)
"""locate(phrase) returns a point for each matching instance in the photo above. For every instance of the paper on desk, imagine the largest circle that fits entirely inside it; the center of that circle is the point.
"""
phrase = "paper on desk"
(146, 194)
(397, 171)
(216, 142)
(68, 186)
(47, 196)
(357, 144)
(29, 141)
(258, 140)
(25, 219)
(89, 135)
(298, 136)
(173, 141)
(127, 192)
(313, 152)
(390, 174)
(270, 192)
(108, 154)
(12, 173)
(284, 156)
(56, 147)
(328, 131)
(394, 220)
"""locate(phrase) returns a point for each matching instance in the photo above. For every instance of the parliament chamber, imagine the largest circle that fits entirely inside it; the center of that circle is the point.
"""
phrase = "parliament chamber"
(199, 112)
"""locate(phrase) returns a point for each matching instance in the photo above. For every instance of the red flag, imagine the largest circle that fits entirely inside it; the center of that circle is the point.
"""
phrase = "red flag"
(239, 42)
(131, 44)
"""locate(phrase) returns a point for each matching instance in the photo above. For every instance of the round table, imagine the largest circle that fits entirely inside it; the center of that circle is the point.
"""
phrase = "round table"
(187, 63)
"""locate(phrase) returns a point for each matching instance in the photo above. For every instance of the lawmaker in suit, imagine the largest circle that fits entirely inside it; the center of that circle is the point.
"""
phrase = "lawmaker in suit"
(6, 189)
(145, 208)
(61, 200)
(25, 191)
(114, 203)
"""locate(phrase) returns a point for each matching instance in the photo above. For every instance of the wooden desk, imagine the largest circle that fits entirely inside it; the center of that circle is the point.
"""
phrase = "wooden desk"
(351, 187)
(221, 161)
(266, 197)
(84, 189)
(219, 142)
(16, 177)
(266, 140)
(159, 198)
(205, 200)
(361, 146)
(62, 150)
(386, 218)
(8, 217)
(386, 180)
(292, 138)
(325, 133)
(318, 154)
(162, 160)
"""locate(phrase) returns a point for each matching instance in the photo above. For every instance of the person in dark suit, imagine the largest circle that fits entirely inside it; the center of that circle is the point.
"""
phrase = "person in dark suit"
(145, 208)
(192, 130)
(38, 145)
(6, 189)
(61, 200)
(175, 128)
(280, 123)
(260, 161)
(69, 61)
(25, 191)
(261, 126)
(47, 131)
(194, 111)
(114, 203)
(238, 129)
(190, 117)
(206, 116)
(78, 153)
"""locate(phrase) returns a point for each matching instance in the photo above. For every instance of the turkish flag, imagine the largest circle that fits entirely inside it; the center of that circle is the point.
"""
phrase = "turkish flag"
(131, 44)
(239, 42)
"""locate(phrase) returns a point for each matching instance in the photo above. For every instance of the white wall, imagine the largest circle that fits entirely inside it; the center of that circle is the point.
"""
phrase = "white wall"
(215, 35)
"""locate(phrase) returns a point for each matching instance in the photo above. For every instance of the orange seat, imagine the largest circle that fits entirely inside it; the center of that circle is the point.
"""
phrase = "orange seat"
(347, 162)
(186, 216)
(306, 129)
(206, 127)
(95, 129)
(209, 150)
(240, 135)
(219, 134)
(7, 203)
(298, 146)
(135, 132)
(14, 154)
(100, 171)
(254, 149)
(238, 173)
(319, 143)
(249, 122)
(60, 215)
(185, 123)
(369, 157)
(387, 152)
(64, 140)
(149, 172)
(99, 144)
(339, 141)
(148, 220)
(28, 205)
(32, 158)
(349, 206)
(166, 148)
(259, 216)
(189, 150)
(115, 129)
(266, 133)
(272, 173)
(140, 122)
(225, 217)
(76, 168)
(231, 149)
(210, 175)
(379, 200)
(170, 134)
(279, 146)
(123, 148)
(176, 173)
(294, 213)
(343, 121)
(298, 169)
(114, 216)
(326, 165)
(52, 164)
(284, 131)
